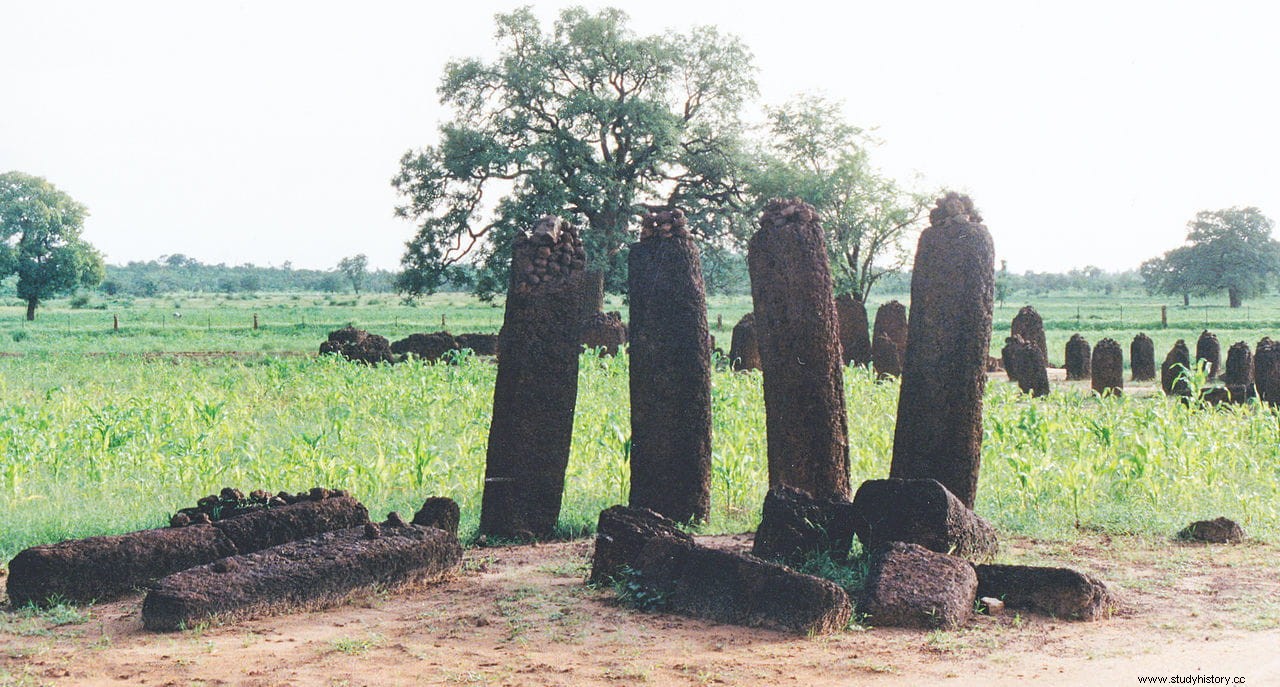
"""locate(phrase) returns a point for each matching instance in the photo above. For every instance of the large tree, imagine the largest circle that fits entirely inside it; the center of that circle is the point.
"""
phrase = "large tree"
(588, 121)
(40, 240)
(356, 268)
(812, 152)
(1226, 250)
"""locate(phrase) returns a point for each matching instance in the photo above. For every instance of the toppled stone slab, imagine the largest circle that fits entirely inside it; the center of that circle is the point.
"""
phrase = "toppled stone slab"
(359, 346)
(426, 346)
(439, 512)
(910, 586)
(794, 524)
(920, 511)
(101, 568)
(82, 571)
(1060, 592)
(312, 572)
(1216, 531)
(732, 588)
(621, 534)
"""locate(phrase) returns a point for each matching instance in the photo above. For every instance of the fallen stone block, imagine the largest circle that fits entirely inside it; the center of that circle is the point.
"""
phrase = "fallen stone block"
(1060, 592)
(100, 568)
(81, 571)
(732, 588)
(308, 573)
(795, 524)
(920, 511)
(1216, 531)
(439, 512)
(621, 534)
(910, 586)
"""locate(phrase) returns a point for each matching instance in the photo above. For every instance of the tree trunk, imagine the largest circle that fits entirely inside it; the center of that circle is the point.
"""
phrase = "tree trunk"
(1233, 294)
(31, 309)
(1186, 300)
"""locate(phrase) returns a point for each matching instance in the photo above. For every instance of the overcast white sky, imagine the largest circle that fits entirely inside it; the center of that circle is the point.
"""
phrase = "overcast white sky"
(1088, 133)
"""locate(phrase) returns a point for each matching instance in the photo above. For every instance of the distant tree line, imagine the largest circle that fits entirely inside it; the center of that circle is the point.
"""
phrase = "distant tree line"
(177, 272)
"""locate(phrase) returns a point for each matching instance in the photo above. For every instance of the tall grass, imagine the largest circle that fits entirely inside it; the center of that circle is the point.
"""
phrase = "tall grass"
(97, 445)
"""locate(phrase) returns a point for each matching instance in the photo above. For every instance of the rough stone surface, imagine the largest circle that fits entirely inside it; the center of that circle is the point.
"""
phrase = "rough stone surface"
(621, 534)
(1173, 370)
(799, 340)
(1028, 324)
(794, 524)
(439, 512)
(480, 344)
(1108, 368)
(854, 338)
(886, 358)
(744, 352)
(266, 528)
(731, 588)
(920, 511)
(1266, 370)
(670, 380)
(1078, 357)
(1239, 367)
(891, 323)
(1060, 592)
(1142, 358)
(1216, 531)
(605, 332)
(426, 346)
(910, 586)
(1210, 351)
(1025, 365)
(939, 429)
(359, 346)
(308, 573)
(536, 389)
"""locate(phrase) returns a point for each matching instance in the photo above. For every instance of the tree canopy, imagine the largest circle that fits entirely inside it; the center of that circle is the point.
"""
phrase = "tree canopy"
(813, 153)
(40, 240)
(355, 268)
(587, 121)
(1226, 250)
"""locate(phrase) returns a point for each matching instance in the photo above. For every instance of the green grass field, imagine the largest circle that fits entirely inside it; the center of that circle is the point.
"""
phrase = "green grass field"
(92, 444)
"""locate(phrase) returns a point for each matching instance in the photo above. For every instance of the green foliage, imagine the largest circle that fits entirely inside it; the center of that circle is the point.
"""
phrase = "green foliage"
(40, 240)
(355, 268)
(814, 154)
(587, 120)
(1227, 250)
(177, 273)
(632, 590)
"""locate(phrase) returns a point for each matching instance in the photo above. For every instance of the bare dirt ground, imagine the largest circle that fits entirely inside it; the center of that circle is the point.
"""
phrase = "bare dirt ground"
(522, 616)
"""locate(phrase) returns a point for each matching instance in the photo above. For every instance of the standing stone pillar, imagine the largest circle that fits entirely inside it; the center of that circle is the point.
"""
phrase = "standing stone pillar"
(1174, 369)
(1025, 365)
(799, 341)
(939, 430)
(670, 372)
(537, 384)
(891, 324)
(1142, 358)
(854, 340)
(744, 352)
(1028, 325)
(1209, 350)
(1266, 370)
(1078, 357)
(1108, 368)
(1239, 368)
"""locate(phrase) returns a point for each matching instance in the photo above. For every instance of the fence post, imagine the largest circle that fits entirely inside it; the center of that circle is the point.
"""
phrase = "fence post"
(255, 321)
(115, 323)
(1164, 317)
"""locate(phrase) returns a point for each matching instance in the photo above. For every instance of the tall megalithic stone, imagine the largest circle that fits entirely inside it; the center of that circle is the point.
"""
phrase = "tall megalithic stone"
(537, 383)
(670, 372)
(854, 339)
(1025, 365)
(1239, 368)
(1028, 325)
(1266, 370)
(744, 350)
(1142, 358)
(799, 340)
(1108, 368)
(1209, 350)
(1078, 357)
(891, 323)
(939, 430)
(1174, 369)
